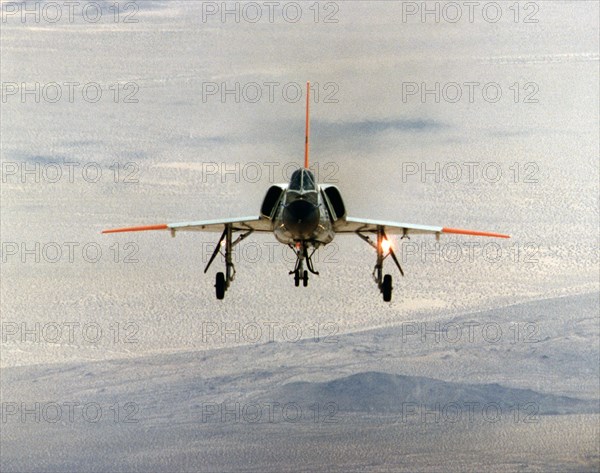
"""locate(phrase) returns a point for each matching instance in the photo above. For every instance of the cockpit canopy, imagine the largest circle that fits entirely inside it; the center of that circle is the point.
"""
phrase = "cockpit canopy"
(302, 180)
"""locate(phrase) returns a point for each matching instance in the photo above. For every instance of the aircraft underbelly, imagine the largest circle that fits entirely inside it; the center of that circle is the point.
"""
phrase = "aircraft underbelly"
(321, 235)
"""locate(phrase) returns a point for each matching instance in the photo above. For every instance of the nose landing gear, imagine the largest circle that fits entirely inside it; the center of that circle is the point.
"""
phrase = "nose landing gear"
(301, 274)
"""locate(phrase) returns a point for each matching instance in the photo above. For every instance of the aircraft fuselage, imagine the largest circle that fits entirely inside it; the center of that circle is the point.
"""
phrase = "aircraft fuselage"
(302, 214)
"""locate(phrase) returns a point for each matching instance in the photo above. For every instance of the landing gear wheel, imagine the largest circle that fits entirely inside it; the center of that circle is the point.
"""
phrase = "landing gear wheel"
(386, 288)
(220, 286)
(305, 278)
(297, 279)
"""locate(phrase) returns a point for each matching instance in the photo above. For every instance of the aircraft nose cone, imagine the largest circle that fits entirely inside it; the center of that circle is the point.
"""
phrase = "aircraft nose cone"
(301, 218)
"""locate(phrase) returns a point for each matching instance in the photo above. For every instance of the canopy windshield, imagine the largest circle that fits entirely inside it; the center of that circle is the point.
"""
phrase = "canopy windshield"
(302, 180)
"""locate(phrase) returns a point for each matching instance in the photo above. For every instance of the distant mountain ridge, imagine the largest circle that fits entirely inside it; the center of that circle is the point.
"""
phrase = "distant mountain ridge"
(383, 392)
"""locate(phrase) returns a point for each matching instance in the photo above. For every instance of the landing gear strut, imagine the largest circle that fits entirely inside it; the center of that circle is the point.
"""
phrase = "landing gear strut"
(302, 254)
(223, 280)
(384, 283)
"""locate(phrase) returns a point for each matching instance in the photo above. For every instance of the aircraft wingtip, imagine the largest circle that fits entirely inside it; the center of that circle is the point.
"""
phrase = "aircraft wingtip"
(461, 231)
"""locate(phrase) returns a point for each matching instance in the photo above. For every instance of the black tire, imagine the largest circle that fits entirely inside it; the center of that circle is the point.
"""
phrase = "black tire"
(305, 279)
(386, 288)
(297, 278)
(220, 286)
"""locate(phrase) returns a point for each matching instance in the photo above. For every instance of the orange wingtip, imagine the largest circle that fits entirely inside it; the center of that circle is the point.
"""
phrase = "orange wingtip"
(163, 226)
(473, 232)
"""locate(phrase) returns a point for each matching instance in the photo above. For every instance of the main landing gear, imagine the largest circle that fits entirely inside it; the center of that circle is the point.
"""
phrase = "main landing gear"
(223, 280)
(383, 248)
(302, 254)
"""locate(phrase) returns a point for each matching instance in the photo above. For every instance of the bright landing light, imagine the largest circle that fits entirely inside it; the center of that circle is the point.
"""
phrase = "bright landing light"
(385, 245)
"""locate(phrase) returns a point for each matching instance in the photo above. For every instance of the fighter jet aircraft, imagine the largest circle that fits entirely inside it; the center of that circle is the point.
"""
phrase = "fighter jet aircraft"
(305, 216)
